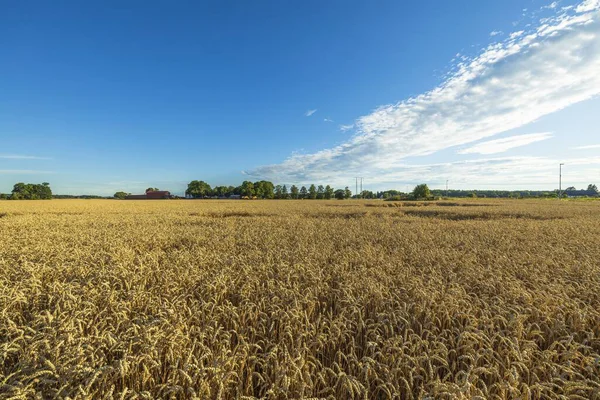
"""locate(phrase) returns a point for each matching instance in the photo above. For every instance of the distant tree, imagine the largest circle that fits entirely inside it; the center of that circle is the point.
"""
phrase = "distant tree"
(474, 195)
(120, 195)
(294, 192)
(268, 190)
(571, 189)
(303, 192)
(592, 189)
(328, 192)
(31, 191)
(421, 191)
(347, 193)
(278, 192)
(223, 191)
(367, 194)
(247, 189)
(320, 192)
(3, 196)
(284, 192)
(198, 189)
(312, 192)
(340, 194)
(264, 189)
(151, 189)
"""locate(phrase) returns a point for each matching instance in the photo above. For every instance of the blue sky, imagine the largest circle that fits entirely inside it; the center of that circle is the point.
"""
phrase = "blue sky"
(97, 97)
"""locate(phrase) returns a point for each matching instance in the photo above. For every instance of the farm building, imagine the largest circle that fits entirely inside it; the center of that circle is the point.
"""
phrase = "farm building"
(150, 195)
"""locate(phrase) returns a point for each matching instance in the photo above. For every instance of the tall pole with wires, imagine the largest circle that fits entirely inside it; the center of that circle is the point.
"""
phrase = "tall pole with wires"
(560, 180)
(361, 189)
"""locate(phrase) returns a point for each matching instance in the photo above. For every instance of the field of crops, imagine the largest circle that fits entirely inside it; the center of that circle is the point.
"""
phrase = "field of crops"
(299, 299)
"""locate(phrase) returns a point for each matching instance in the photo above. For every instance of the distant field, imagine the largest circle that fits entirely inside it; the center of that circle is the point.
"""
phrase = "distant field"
(297, 299)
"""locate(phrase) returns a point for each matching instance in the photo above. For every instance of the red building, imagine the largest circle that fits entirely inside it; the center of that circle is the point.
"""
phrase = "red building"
(150, 195)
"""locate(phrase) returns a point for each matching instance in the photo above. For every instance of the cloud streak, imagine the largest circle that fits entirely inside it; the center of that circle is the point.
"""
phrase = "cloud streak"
(23, 172)
(509, 84)
(309, 113)
(21, 157)
(505, 144)
(588, 147)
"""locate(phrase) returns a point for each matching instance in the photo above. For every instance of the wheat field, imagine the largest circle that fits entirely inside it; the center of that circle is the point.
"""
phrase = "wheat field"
(488, 299)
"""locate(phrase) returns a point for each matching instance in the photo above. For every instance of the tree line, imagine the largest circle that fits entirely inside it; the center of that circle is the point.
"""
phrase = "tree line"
(29, 191)
(266, 190)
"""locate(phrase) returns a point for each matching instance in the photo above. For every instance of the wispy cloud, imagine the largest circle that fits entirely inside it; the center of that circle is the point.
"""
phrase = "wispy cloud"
(495, 33)
(22, 157)
(516, 34)
(588, 5)
(344, 128)
(310, 112)
(327, 120)
(23, 172)
(504, 144)
(590, 146)
(509, 84)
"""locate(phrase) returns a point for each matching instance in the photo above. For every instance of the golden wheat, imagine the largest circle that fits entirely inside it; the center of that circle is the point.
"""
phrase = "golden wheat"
(299, 299)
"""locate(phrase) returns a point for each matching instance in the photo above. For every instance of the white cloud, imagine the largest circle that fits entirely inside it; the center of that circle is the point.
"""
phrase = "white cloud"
(502, 145)
(310, 112)
(494, 33)
(552, 5)
(21, 157)
(588, 5)
(344, 128)
(591, 146)
(508, 85)
(328, 120)
(23, 172)
(516, 34)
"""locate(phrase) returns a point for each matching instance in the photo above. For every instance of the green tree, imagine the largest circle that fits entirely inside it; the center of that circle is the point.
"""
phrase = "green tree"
(340, 194)
(421, 191)
(367, 194)
(278, 192)
(320, 192)
(198, 189)
(31, 191)
(247, 189)
(328, 192)
(312, 192)
(294, 192)
(592, 189)
(268, 190)
(284, 192)
(303, 192)
(221, 191)
(151, 189)
(347, 193)
(264, 189)
(120, 195)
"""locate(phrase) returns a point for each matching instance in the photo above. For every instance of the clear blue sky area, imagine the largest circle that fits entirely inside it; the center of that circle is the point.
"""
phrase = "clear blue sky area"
(100, 96)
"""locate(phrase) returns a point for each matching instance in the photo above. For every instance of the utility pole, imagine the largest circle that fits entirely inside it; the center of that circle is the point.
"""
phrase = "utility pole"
(361, 182)
(361, 189)
(560, 180)
(446, 187)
